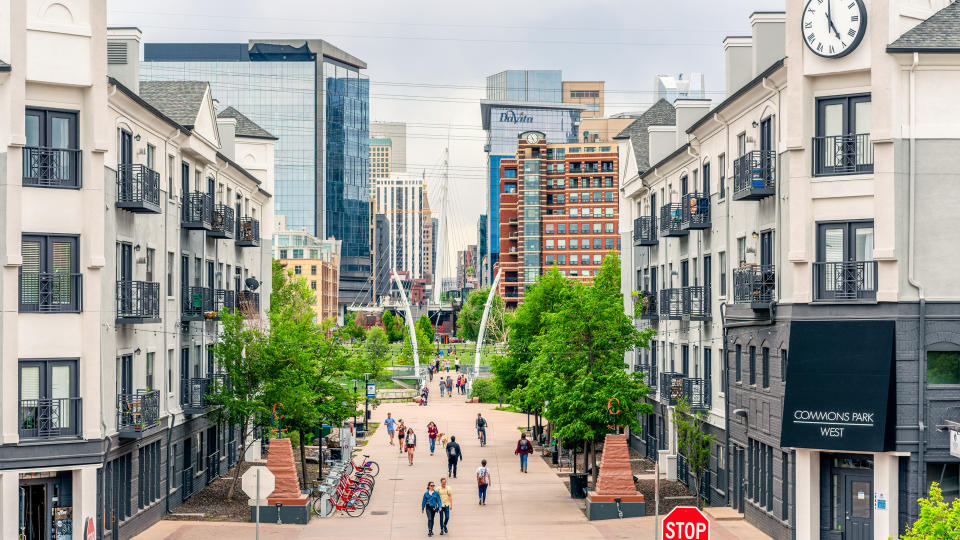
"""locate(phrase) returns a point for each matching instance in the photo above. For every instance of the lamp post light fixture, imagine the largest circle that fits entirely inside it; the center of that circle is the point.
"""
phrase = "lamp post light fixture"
(366, 401)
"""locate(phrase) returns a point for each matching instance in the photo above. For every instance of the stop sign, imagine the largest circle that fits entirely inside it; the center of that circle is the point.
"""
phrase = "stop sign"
(686, 523)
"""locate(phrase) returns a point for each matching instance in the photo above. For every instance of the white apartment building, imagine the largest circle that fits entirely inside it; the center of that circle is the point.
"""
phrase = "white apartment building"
(401, 198)
(791, 243)
(128, 222)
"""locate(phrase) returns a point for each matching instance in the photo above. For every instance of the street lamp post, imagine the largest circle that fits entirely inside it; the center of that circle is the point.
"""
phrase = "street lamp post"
(366, 400)
(354, 400)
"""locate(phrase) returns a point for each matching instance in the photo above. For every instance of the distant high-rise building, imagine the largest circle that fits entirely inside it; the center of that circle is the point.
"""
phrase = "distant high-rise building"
(400, 198)
(315, 260)
(381, 162)
(381, 256)
(587, 93)
(397, 133)
(483, 273)
(527, 85)
(670, 88)
(467, 268)
(429, 242)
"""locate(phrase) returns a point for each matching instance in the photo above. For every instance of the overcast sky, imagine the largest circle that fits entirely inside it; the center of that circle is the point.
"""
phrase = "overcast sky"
(428, 59)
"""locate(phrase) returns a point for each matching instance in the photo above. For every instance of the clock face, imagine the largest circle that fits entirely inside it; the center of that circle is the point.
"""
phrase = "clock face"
(833, 28)
(533, 138)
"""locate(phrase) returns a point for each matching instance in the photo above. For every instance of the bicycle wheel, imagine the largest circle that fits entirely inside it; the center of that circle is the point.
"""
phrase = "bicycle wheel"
(373, 467)
(355, 507)
(318, 508)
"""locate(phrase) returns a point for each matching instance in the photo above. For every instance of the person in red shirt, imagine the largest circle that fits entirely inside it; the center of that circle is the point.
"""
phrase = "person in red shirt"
(432, 434)
(524, 449)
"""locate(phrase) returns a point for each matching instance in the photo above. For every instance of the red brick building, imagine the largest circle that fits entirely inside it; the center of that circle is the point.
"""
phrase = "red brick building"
(558, 207)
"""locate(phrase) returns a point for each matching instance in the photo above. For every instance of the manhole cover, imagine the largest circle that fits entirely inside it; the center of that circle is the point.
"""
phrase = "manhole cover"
(394, 478)
(379, 512)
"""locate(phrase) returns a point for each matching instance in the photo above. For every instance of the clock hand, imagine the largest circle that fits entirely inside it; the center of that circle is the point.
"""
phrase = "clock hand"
(830, 21)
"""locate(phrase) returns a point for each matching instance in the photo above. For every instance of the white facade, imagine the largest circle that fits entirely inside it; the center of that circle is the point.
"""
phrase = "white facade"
(401, 198)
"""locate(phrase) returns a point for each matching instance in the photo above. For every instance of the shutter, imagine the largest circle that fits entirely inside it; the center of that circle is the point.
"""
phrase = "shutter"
(116, 52)
(62, 261)
(30, 382)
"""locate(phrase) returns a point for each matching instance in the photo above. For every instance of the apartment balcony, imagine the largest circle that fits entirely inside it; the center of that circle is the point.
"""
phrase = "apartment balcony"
(649, 372)
(671, 388)
(50, 292)
(51, 167)
(193, 395)
(842, 154)
(671, 220)
(754, 175)
(49, 418)
(755, 285)
(650, 309)
(645, 231)
(138, 415)
(511, 293)
(686, 303)
(223, 299)
(677, 386)
(696, 212)
(513, 235)
(846, 281)
(197, 211)
(248, 232)
(138, 188)
(222, 224)
(249, 301)
(138, 302)
(196, 303)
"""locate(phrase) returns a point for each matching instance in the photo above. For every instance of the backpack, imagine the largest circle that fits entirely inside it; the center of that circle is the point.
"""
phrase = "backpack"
(524, 445)
(482, 479)
(452, 450)
(482, 422)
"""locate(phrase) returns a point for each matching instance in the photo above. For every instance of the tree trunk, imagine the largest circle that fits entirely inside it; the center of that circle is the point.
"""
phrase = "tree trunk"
(303, 460)
(240, 462)
(593, 462)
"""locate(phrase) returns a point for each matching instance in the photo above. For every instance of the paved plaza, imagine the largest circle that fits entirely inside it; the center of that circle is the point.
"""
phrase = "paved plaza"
(523, 506)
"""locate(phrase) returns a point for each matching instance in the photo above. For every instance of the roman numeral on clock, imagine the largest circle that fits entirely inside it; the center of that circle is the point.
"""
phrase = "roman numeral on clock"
(851, 32)
(811, 37)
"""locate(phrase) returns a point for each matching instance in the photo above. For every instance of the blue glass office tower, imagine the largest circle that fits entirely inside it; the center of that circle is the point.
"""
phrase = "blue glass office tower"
(315, 99)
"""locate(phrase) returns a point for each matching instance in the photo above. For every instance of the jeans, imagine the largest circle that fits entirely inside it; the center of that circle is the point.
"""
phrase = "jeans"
(431, 512)
(482, 434)
(452, 466)
(482, 492)
(523, 460)
(444, 517)
(433, 444)
(442, 388)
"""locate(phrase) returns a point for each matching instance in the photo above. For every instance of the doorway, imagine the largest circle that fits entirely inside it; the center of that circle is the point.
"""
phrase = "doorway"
(739, 463)
(845, 251)
(846, 498)
(34, 522)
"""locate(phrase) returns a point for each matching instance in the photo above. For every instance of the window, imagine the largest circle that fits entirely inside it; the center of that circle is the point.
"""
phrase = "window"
(685, 360)
(738, 358)
(549, 244)
(562, 228)
(720, 452)
(51, 156)
(562, 244)
(313, 270)
(948, 476)
(707, 271)
(842, 143)
(765, 366)
(753, 365)
(548, 260)
(151, 254)
(170, 273)
(573, 260)
(845, 269)
(706, 179)
(596, 228)
(707, 364)
(722, 164)
(50, 278)
(596, 243)
(723, 273)
(170, 165)
(741, 144)
(561, 259)
(785, 487)
(548, 229)
(283, 254)
(783, 365)
(49, 405)
(297, 269)
(608, 212)
(597, 259)
(608, 182)
(608, 228)
(608, 243)
(170, 371)
(943, 367)
(313, 285)
(574, 212)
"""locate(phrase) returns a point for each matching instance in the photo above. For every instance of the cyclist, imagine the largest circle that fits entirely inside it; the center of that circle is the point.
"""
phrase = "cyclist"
(482, 429)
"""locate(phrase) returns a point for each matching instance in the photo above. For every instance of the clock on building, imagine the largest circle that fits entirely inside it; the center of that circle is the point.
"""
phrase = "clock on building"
(533, 138)
(833, 28)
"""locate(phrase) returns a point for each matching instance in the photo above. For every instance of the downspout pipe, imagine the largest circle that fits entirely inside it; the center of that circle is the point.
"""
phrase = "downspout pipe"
(166, 499)
(911, 276)
(723, 362)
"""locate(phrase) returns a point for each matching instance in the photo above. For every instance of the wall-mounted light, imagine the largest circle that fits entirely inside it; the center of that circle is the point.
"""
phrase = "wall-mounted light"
(136, 247)
(137, 351)
(755, 124)
(754, 235)
(136, 137)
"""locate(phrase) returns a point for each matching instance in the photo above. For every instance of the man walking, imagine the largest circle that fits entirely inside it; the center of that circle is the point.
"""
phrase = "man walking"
(390, 422)
(449, 386)
(443, 385)
(453, 456)
(483, 481)
(446, 501)
(524, 449)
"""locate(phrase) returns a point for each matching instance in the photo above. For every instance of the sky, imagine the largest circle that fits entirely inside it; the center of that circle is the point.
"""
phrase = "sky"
(428, 60)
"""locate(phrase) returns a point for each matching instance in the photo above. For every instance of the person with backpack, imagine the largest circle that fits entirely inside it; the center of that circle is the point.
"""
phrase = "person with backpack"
(524, 449)
(443, 385)
(483, 481)
(482, 429)
(453, 456)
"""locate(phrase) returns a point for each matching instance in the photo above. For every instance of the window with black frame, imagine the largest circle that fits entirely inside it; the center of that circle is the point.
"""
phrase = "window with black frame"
(842, 142)
(49, 406)
(51, 155)
(50, 280)
(845, 270)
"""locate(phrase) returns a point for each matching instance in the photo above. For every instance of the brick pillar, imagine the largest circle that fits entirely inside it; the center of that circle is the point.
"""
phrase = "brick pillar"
(616, 476)
(280, 462)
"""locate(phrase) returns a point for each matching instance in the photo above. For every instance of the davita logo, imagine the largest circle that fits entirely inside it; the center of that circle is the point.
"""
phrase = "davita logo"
(514, 118)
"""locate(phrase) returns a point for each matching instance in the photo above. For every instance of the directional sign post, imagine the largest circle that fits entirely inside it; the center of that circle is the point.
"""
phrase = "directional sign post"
(258, 483)
(686, 523)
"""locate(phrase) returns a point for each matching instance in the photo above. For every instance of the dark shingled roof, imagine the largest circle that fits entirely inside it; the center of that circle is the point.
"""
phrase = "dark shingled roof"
(245, 126)
(180, 100)
(660, 113)
(939, 33)
(4, 66)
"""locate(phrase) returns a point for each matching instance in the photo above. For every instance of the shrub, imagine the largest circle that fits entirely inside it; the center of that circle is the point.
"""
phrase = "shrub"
(485, 389)
(938, 519)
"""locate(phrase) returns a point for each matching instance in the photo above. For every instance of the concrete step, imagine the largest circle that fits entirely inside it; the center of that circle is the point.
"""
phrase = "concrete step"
(723, 513)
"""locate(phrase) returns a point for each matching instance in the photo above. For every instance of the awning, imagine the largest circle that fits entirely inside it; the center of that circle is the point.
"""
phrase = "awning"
(840, 391)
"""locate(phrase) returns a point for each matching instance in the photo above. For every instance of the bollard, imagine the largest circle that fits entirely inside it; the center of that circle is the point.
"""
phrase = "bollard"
(278, 513)
(619, 510)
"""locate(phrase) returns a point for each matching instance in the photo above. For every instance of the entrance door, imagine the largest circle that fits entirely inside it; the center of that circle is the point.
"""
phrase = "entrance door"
(125, 277)
(766, 247)
(126, 374)
(738, 477)
(766, 144)
(858, 503)
(845, 251)
(33, 512)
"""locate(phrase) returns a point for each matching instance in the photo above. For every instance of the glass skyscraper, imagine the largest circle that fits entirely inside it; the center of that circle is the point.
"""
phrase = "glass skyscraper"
(315, 99)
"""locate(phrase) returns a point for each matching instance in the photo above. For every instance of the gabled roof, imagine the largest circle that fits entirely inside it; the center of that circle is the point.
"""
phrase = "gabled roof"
(180, 100)
(938, 34)
(245, 126)
(660, 113)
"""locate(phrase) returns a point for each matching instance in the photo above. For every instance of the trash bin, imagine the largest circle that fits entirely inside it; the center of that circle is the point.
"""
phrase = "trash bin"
(335, 454)
(578, 486)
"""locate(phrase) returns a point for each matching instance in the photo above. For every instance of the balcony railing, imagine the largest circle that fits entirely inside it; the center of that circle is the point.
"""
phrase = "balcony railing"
(686, 303)
(649, 309)
(213, 466)
(671, 220)
(187, 482)
(683, 470)
(754, 175)
(50, 292)
(138, 302)
(671, 387)
(49, 418)
(224, 299)
(653, 445)
(696, 211)
(645, 231)
(697, 393)
(846, 281)
(196, 302)
(222, 225)
(138, 188)
(755, 285)
(138, 413)
(51, 167)
(249, 301)
(842, 154)
(193, 395)
(197, 211)
(248, 232)
(649, 372)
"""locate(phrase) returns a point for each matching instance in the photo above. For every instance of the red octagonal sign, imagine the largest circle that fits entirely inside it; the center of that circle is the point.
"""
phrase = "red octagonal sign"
(685, 523)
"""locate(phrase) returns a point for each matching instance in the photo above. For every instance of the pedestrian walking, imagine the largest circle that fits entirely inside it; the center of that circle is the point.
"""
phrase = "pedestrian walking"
(390, 423)
(411, 442)
(458, 365)
(524, 449)
(446, 501)
(464, 386)
(483, 481)
(430, 371)
(443, 386)
(424, 394)
(430, 504)
(432, 432)
(401, 433)
(449, 386)
(454, 456)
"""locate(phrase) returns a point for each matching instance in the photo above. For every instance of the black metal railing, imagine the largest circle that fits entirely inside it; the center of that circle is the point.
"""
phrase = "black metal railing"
(845, 281)
(222, 225)
(197, 211)
(51, 167)
(49, 418)
(50, 292)
(196, 302)
(842, 154)
(645, 231)
(696, 211)
(248, 232)
(187, 482)
(193, 394)
(138, 301)
(755, 285)
(686, 303)
(649, 309)
(697, 393)
(671, 387)
(249, 301)
(649, 373)
(219, 382)
(224, 299)
(138, 188)
(754, 175)
(652, 448)
(213, 466)
(231, 453)
(705, 485)
(683, 471)
(138, 412)
(671, 220)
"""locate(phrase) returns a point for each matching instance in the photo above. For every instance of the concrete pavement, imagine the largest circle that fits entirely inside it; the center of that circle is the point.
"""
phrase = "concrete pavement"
(528, 506)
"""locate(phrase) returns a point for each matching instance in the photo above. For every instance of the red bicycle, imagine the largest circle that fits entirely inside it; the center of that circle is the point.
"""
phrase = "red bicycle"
(368, 466)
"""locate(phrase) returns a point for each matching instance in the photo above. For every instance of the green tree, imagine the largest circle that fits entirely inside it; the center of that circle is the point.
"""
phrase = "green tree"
(351, 326)
(938, 519)
(393, 326)
(693, 442)
(471, 314)
(424, 325)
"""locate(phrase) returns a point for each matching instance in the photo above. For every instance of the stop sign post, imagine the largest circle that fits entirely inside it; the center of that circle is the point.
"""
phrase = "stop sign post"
(685, 523)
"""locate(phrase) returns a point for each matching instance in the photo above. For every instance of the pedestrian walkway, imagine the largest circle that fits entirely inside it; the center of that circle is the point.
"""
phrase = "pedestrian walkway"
(527, 506)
